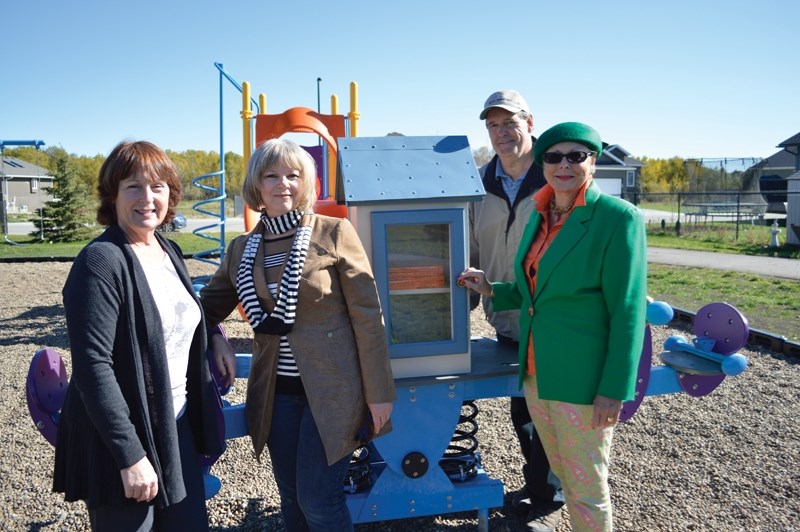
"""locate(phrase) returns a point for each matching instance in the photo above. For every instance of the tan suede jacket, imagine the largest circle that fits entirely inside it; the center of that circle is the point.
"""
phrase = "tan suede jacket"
(338, 339)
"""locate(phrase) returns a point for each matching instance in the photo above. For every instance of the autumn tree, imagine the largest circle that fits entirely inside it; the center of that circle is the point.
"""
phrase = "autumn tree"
(87, 170)
(482, 155)
(664, 175)
(192, 164)
(33, 155)
(234, 173)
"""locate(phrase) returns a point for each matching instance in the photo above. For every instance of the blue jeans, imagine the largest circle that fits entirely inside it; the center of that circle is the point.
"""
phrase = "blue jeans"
(312, 492)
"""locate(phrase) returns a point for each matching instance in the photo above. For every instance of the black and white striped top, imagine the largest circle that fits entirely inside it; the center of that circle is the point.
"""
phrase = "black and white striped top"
(274, 258)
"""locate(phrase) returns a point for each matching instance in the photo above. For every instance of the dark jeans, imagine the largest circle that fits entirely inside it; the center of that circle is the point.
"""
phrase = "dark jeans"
(312, 492)
(188, 514)
(543, 486)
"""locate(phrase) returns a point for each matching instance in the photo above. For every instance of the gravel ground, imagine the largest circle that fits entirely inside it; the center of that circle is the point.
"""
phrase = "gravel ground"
(727, 461)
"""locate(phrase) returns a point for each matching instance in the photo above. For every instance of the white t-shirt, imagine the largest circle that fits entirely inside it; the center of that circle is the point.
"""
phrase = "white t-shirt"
(180, 316)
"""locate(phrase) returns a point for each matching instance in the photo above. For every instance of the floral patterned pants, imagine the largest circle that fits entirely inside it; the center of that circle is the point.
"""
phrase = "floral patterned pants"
(578, 455)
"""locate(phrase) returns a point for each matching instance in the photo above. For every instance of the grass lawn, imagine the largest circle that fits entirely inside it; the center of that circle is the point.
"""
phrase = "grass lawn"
(770, 304)
(29, 247)
(666, 206)
(722, 238)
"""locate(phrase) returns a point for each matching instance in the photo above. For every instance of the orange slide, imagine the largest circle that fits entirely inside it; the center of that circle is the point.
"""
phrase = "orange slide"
(304, 120)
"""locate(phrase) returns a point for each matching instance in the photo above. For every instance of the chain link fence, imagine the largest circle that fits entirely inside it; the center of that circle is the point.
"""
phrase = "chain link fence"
(723, 211)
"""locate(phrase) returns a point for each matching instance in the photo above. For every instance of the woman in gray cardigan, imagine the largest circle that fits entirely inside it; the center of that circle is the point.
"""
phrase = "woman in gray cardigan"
(139, 409)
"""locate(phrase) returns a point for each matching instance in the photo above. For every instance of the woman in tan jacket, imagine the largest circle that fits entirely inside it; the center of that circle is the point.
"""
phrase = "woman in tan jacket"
(320, 366)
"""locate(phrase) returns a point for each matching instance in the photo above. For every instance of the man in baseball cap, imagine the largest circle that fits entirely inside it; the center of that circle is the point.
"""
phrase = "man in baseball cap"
(496, 226)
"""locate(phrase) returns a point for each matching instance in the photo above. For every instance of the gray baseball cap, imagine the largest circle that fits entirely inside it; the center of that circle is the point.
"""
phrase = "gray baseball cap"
(507, 99)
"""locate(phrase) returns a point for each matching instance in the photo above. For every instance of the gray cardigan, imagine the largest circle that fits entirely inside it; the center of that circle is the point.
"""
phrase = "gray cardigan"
(118, 406)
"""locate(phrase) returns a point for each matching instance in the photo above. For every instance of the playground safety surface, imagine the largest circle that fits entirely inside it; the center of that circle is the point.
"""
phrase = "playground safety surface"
(727, 461)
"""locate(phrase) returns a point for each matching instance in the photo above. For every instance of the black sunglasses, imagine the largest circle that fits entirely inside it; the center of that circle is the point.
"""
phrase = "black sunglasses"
(574, 157)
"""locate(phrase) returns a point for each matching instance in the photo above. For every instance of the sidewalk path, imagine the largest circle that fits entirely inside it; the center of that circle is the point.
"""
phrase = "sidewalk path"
(772, 266)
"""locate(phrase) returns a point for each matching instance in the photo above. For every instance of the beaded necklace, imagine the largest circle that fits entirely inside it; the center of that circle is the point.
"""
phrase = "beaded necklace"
(555, 209)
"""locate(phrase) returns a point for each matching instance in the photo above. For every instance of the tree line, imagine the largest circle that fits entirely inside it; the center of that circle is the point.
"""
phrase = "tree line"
(190, 164)
(75, 181)
(657, 175)
(671, 175)
(68, 217)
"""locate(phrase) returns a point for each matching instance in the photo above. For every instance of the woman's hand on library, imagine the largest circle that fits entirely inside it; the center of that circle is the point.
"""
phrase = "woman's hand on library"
(475, 280)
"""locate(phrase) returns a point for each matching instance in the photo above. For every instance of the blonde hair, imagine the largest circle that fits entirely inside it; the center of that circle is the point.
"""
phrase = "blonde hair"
(275, 152)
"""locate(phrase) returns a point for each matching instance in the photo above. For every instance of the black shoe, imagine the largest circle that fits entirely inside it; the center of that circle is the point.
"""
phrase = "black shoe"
(543, 519)
(518, 500)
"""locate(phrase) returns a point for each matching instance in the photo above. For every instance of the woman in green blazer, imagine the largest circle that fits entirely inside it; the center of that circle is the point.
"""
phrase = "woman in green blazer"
(581, 276)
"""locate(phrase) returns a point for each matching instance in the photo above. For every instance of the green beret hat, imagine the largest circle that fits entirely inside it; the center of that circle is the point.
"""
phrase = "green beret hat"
(567, 132)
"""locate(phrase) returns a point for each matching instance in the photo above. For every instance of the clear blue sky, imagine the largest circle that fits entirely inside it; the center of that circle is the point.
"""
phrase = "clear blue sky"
(693, 78)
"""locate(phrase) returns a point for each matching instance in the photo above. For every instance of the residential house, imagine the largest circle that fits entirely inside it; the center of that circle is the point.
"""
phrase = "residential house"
(792, 145)
(771, 174)
(619, 174)
(24, 187)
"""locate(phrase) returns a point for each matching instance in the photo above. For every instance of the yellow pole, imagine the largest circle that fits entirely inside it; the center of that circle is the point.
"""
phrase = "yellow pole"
(353, 114)
(332, 162)
(247, 115)
(262, 102)
(250, 216)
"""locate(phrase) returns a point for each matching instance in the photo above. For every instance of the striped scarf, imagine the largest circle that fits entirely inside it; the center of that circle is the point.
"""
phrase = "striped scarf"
(281, 320)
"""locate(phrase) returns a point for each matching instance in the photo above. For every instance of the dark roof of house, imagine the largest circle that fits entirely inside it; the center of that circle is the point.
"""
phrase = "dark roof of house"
(791, 141)
(616, 155)
(781, 159)
(11, 168)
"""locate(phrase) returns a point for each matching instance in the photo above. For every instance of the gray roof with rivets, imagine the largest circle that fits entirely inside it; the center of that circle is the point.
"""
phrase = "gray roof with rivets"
(402, 169)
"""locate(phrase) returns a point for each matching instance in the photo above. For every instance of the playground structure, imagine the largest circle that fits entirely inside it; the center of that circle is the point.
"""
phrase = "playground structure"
(257, 124)
(408, 199)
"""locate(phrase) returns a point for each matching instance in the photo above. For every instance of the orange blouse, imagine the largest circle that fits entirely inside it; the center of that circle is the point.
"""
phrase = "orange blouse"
(544, 237)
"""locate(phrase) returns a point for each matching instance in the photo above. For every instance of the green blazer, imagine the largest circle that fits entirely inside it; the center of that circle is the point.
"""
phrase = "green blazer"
(587, 316)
